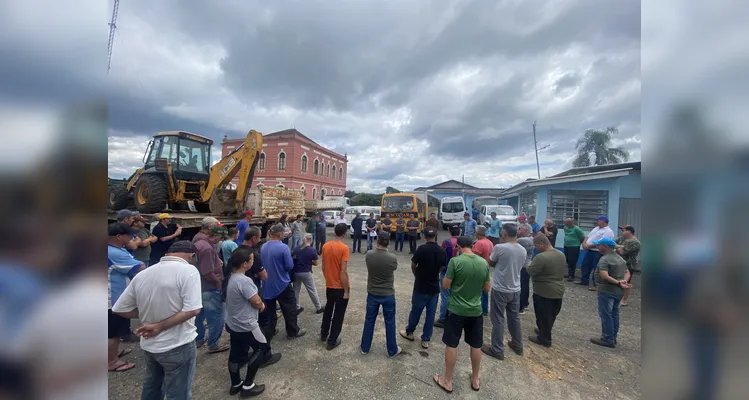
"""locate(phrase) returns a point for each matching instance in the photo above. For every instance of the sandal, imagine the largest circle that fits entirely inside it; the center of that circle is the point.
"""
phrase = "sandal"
(475, 389)
(219, 349)
(437, 381)
(124, 352)
(121, 366)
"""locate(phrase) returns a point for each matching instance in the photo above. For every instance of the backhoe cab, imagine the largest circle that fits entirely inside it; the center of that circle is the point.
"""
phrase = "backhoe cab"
(177, 170)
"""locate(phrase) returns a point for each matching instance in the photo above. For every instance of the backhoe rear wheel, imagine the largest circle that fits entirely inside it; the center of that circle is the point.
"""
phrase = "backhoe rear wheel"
(118, 197)
(151, 194)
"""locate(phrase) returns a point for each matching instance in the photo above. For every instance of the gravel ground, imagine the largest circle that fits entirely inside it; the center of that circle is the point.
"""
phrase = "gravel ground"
(573, 368)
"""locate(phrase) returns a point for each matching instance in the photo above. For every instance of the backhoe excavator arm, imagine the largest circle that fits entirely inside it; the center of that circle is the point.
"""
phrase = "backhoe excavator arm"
(243, 160)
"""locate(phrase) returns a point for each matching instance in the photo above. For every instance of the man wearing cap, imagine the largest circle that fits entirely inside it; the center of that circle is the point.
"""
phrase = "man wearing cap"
(166, 299)
(468, 226)
(212, 277)
(121, 263)
(628, 247)
(592, 254)
(612, 279)
(166, 232)
(243, 225)
(277, 260)
(426, 264)
(381, 266)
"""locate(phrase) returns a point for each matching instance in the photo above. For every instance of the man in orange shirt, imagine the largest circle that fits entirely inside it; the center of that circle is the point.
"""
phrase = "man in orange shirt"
(335, 256)
(483, 248)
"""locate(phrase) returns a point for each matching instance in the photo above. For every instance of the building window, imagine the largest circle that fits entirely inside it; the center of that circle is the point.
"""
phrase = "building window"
(317, 167)
(304, 190)
(281, 160)
(261, 163)
(314, 191)
(327, 171)
(340, 192)
(323, 192)
(581, 205)
(334, 168)
(304, 163)
(280, 185)
(527, 204)
(340, 173)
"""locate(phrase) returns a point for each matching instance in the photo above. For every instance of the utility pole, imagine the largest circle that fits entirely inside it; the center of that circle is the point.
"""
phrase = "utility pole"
(535, 145)
(112, 28)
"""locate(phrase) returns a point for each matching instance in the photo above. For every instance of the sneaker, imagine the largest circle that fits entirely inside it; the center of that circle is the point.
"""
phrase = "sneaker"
(439, 324)
(593, 289)
(486, 349)
(299, 334)
(334, 345)
(522, 312)
(235, 389)
(406, 335)
(362, 351)
(517, 349)
(424, 344)
(274, 358)
(537, 341)
(320, 310)
(254, 391)
(299, 310)
(396, 353)
(600, 342)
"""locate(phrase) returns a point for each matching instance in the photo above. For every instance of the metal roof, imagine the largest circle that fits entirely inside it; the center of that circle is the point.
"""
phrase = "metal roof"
(561, 178)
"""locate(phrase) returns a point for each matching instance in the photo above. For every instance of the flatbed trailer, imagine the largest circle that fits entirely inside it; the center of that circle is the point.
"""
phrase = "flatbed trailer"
(188, 220)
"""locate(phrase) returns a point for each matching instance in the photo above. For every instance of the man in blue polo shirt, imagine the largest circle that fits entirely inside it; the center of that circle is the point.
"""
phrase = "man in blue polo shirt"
(121, 265)
(277, 289)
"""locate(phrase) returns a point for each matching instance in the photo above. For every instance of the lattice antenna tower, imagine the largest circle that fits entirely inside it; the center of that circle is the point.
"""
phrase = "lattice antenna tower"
(112, 29)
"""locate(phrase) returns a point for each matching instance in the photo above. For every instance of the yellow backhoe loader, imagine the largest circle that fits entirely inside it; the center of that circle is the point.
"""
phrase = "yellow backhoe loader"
(177, 175)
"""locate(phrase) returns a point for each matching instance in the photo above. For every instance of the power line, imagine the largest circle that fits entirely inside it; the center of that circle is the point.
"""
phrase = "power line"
(112, 29)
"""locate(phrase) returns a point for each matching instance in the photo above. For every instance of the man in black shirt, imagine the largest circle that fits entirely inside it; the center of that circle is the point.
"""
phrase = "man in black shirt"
(252, 242)
(356, 227)
(166, 232)
(371, 231)
(413, 232)
(425, 264)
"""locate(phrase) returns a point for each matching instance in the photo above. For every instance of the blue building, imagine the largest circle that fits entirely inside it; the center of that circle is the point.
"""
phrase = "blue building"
(583, 194)
(454, 188)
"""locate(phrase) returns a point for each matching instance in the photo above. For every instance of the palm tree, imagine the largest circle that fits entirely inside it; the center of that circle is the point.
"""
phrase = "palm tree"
(597, 142)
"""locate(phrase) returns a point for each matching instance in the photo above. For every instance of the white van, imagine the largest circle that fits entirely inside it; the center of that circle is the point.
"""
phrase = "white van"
(330, 216)
(451, 211)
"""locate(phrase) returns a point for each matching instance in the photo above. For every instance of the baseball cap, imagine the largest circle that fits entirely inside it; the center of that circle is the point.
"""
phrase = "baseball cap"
(603, 217)
(522, 218)
(182, 246)
(627, 228)
(120, 228)
(249, 212)
(429, 231)
(220, 230)
(605, 242)
(122, 214)
(163, 216)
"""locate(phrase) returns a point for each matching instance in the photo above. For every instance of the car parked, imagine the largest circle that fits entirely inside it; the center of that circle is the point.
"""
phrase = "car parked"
(505, 214)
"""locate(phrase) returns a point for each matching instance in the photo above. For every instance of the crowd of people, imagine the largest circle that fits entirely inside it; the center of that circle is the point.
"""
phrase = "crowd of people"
(185, 294)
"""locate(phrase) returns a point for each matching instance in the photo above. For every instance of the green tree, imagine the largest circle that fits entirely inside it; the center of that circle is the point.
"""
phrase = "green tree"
(391, 189)
(597, 143)
(350, 194)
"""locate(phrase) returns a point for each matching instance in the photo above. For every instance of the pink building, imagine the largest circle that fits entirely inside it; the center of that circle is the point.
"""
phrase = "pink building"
(292, 160)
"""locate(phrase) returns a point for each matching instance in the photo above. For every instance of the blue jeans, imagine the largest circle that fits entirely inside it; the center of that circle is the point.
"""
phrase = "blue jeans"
(399, 241)
(484, 302)
(169, 373)
(388, 312)
(608, 310)
(444, 298)
(213, 313)
(296, 243)
(370, 239)
(419, 301)
(590, 262)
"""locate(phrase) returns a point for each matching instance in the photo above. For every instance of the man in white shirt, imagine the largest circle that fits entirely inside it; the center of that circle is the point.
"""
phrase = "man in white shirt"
(341, 219)
(592, 254)
(166, 298)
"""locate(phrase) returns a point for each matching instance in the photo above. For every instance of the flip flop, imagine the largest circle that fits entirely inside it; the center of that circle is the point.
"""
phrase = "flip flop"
(437, 381)
(124, 352)
(219, 349)
(122, 366)
(474, 388)
(623, 304)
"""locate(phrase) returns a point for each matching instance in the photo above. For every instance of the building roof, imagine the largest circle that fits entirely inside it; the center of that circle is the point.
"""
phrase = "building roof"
(453, 186)
(577, 175)
(294, 133)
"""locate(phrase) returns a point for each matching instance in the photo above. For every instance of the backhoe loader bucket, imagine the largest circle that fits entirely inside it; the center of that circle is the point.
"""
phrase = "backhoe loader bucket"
(224, 202)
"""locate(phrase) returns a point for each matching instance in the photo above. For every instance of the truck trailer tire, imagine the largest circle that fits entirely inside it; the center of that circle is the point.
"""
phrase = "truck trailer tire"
(118, 197)
(151, 194)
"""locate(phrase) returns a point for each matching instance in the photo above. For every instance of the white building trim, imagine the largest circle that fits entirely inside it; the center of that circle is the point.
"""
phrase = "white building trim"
(265, 144)
(278, 161)
(305, 147)
(283, 144)
(262, 161)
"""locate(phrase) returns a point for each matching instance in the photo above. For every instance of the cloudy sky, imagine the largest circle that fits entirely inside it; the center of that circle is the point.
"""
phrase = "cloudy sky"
(415, 92)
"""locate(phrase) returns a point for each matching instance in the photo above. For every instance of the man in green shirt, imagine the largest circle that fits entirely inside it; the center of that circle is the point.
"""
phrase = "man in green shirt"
(312, 228)
(612, 280)
(547, 272)
(143, 251)
(467, 277)
(573, 238)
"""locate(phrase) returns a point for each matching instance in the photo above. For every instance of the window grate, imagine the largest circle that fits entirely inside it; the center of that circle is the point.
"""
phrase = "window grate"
(581, 205)
(527, 204)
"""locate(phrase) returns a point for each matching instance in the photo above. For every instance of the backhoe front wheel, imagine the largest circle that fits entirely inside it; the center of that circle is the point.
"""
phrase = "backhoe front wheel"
(151, 194)
(118, 197)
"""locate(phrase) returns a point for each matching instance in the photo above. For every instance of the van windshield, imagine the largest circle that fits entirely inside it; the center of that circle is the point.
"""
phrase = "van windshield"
(452, 207)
